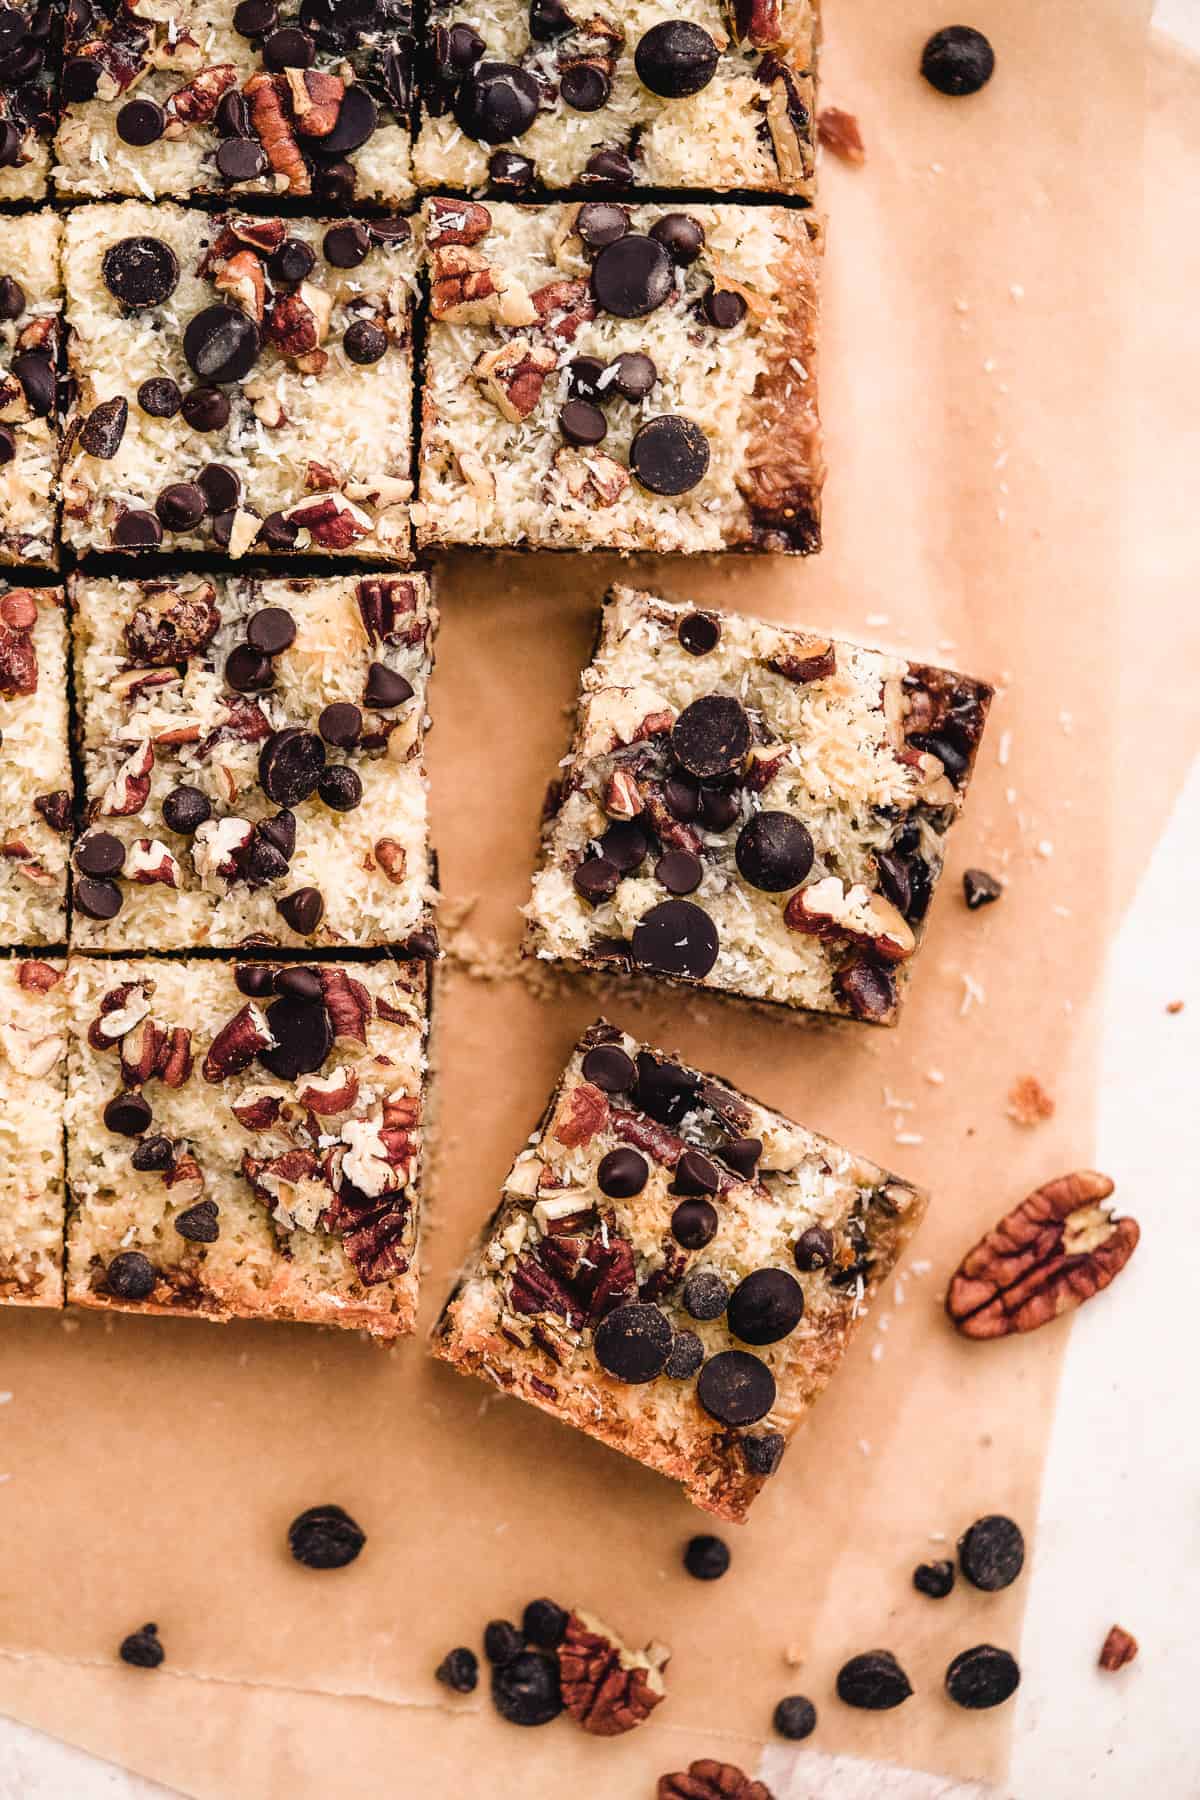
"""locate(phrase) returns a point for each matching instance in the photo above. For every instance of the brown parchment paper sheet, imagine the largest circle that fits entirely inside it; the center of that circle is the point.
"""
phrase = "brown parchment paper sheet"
(980, 361)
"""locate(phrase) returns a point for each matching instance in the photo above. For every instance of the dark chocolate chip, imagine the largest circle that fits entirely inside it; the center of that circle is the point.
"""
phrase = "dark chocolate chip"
(736, 1388)
(98, 899)
(241, 159)
(954, 761)
(248, 671)
(582, 423)
(867, 989)
(385, 688)
(895, 882)
(712, 736)
(706, 1558)
(608, 168)
(459, 1670)
(699, 633)
(873, 1681)
(979, 888)
(625, 845)
(773, 852)
(293, 262)
(288, 48)
(255, 18)
(303, 1037)
(686, 1358)
(128, 1113)
(958, 61)
(80, 78)
(254, 979)
(334, 183)
(185, 809)
(681, 235)
(136, 529)
(502, 1641)
(763, 1454)
(365, 342)
(632, 277)
(682, 797)
(12, 297)
(635, 375)
(131, 1276)
(584, 87)
(57, 808)
(357, 119)
(934, 1578)
(200, 1224)
(549, 19)
(723, 308)
(544, 1624)
(669, 455)
(982, 1676)
(596, 879)
(325, 1537)
(765, 1307)
(141, 122)
(599, 222)
(622, 1173)
(340, 724)
(232, 117)
(676, 937)
(795, 1717)
(181, 506)
(813, 1249)
(278, 532)
(705, 1295)
(140, 271)
(100, 853)
(340, 788)
(515, 173)
(142, 1649)
(303, 910)
(389, 230)
(607, 1067)
(153, 1153)
(221, 343)
(742, 1155)
(271, 629)
(496, 102)
(347, 245)
(290, 764)
(633, 1342)
(584, 376)
(991, 1552)
(222, 490)
(300, 983)
(676, 59)
(694, 1224)
(664, 1090)
(527, 1691)
(695, 1174)
(679, 872)
(35, 372)
(205, 409)
(718, 810)
(8, 445)
(102, 430)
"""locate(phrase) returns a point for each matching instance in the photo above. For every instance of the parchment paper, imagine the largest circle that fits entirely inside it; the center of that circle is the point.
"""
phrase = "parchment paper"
(980, 396)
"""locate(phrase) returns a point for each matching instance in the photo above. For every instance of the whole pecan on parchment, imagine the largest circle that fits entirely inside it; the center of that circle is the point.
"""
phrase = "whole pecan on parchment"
(606, 1687)
(709, 1780)
(1051, 1253)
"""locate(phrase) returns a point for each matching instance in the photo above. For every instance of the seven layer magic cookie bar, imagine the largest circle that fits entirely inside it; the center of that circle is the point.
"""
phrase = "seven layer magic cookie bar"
(752, 809)
(29, 34)
(243, 382)
(244, 1141)
(535, 93)
(33, 1068)
(36, 806)
(30, 328)
(310, 99)
(674, 1268)
(253, 751)
(629, 377)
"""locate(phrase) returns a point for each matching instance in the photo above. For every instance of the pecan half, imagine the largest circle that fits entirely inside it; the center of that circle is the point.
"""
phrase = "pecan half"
(388, 607)
(1119, 1647)
(1051, 1253)
(839, 132)
(316, 100)
(237, 1044)
(37, 977)
(456, 222)
(18, 657)
(562, 307)
(168, 625)
(582, 1113)
(709, 1780)
(196, 103)
(348, 1004)
(512, 376)
(606, 1687)
(269, 117)
(334, 522)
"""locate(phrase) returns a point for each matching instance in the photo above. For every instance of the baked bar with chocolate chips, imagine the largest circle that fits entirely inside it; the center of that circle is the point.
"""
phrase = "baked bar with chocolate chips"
(254, 758)
(752, 809)
(243, 383)
(674, 1268)
(312, 99)
(525, 94)
(30, 331)
(36, 804)
(29, 48)
(621, 377)
(244, 1140)
(33, 1071)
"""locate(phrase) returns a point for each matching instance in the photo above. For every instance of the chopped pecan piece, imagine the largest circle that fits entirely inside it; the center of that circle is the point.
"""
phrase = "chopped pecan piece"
(269, 117)
(292, 326)
(622, 796)
(196, 103)
(18, 610)
(464, 289)
(55, 808)
(316, 100)
(120, 1009)
(237, 1044)
(562, 307)
(839, 132)
(326, 1095)
(825, 909)
(1119, 1647)
(457, 222)
(812, 663)
(594, 479)
(151, 1051)
(388, 605)
(37, 977)
(581, 1114)
(512, 376)
(757, 22)
(392, 859)
(244, 280)
(709, 1780)
(184, 1180)
(171, 624)
(129, 789)
(1051, 1253)
(348, 1004)
(263, 235)
(335, 523)
(606, 1687)
(18, 656)
(149, 861)
(256, 1108)
(533, 1289)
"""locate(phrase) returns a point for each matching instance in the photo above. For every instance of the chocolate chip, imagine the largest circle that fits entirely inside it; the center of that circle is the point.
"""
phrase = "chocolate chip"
(100, 853)
(278, 532)
(385, 688)
(358, 117)
(255, 18)
(254, 979)
(389, 230)
(8, 445)
(98, 899)
(669, 455)
(334, 183)
(712, 736)
(867, 989)
(694, 1224)
(298, 982)
(241, 159)
(232, 117)
(679, 872)
(200, 1224)
(101, 432)
(979, 888)
(128, 1113)
(584, 375)
(982, 1677)
(140, 271)
(795, 1718)
(181, 506)
(635, 375)
(736, 1388)
(131, 1276)
(695, 1174)
(141, 122)
(608, 168)
(142, 1649)
(632, 276)
(687, 1355)
(633, 1342)
(607, 1067)
(340, 724)
(340, 788)
(303, 1036)
(706, 1558)
(874, 1681)
(765, 1307)
(496, 102)
(526, 1691)
(626, 845)
(271, 629)
(934, 1578)
(80, 78)
(582, 423)
(205, 409)
(723, 308)
(290, 764)
(682, 797)
(596, 879)
(705, 1295)
(762, 1455)
(549, 19)
(248, 671)
(894, 881)
(12, 297)
(664, 1090)
(958, 61)
(813, 1249)
(221, 344)
(293, 262)
(681, 235)
(35, 372)
(185, 809)
(675, 59)
(598, 223)
(303, 910)
(346, 246)
(502, 1641)
(773, 852)
(699, 633)
(742, 1155)
(222, 529)
(584, 87)
(622, 1173)
(676, 938)
(991, 1553)
(544, 1624)
(365, 342)
(288, 48)
(325, 1537)
(459, 1670)
(153, 1153)
(507, 170)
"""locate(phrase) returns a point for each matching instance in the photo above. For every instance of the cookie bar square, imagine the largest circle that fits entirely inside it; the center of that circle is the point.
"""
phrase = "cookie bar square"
(242, 382)
(35, 775)
(244, 1141)
(621, 377)
(30, 330)
(33, 1072)
(517, 96)
(674, 1268)
(253, 754)
(306, 98)
(29, 51)
(752, 809)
